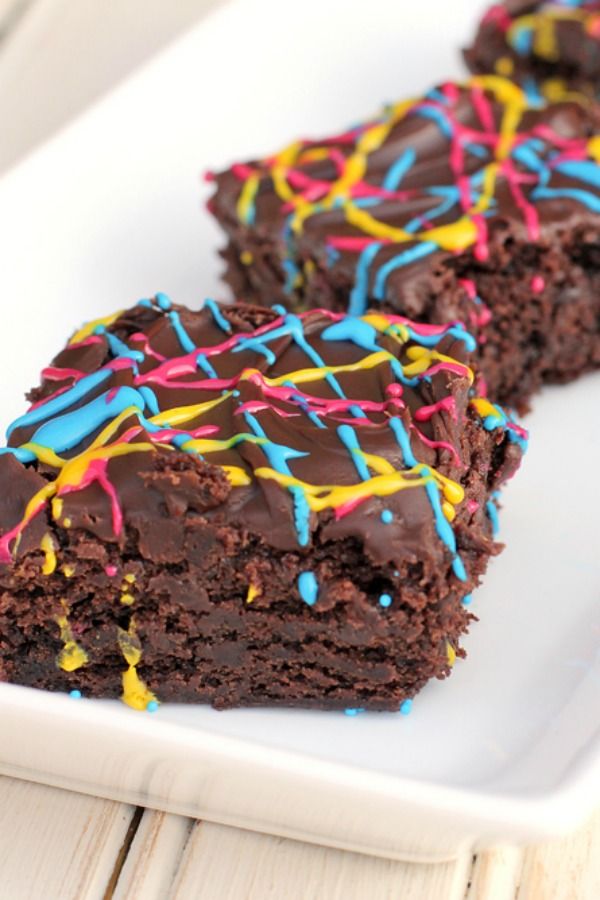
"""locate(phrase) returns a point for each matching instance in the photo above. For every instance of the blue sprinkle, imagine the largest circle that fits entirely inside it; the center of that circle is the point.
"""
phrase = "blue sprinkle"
(405, 707)
(353, 711)
(152, 706)
(235, 393)
(387, 516)
(397, 573)
(76, 695)
(385, 600)
(308, 587)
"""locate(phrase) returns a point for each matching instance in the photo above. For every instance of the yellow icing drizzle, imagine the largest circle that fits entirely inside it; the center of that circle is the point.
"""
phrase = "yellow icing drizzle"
(88, 329)
(135, 692)
(247, 195)
(328, 496)
(72, 656)
(47, 545)
(483, 407)
(253, 593)
(451, 653)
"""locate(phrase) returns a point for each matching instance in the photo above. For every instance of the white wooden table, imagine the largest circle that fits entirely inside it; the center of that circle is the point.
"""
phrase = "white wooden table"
(56, 845)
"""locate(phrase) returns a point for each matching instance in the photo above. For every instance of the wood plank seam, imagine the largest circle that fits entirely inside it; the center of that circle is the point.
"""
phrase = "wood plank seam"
(123, 852)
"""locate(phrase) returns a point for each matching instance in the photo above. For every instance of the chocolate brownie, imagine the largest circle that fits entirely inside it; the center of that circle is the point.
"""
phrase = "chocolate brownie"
(546, 47)
(241, 506)
(466, 204)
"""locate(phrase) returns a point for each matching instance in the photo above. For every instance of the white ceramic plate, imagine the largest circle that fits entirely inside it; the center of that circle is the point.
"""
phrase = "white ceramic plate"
(109, 211)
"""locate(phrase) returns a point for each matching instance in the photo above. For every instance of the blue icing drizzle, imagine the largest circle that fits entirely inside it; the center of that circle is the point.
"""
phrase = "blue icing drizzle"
(419, 251)
(500, 420)
(117, 347)
(150, 399)
(436, 115)
(403, 439)
(521, 40)
(63, 401)
(291, 273)
(65, 432)
(532, 92)
(492, 511)
(590, 200)
(301, 515)
(347, 436)
(308, 587)
(218, 316)
(278, 456)
(187, 345)
(355, 330)
(398, 169)
(24, 456)
(313, 416)
(583, 170)
(163, 301)
(360, 291)
(406, 707)
(442, 526)
(354, 711)
(203, 363)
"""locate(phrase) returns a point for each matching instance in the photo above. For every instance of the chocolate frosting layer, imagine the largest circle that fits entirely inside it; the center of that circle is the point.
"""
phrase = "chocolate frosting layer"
(377, 211)
(280, 424)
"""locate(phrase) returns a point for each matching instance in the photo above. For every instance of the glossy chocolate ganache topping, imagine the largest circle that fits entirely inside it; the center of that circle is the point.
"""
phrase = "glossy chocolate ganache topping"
(285, 424)
(374, 210)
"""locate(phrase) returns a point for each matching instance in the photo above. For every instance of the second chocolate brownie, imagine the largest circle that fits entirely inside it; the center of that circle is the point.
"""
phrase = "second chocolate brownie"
(468, 203)
(546, 47)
